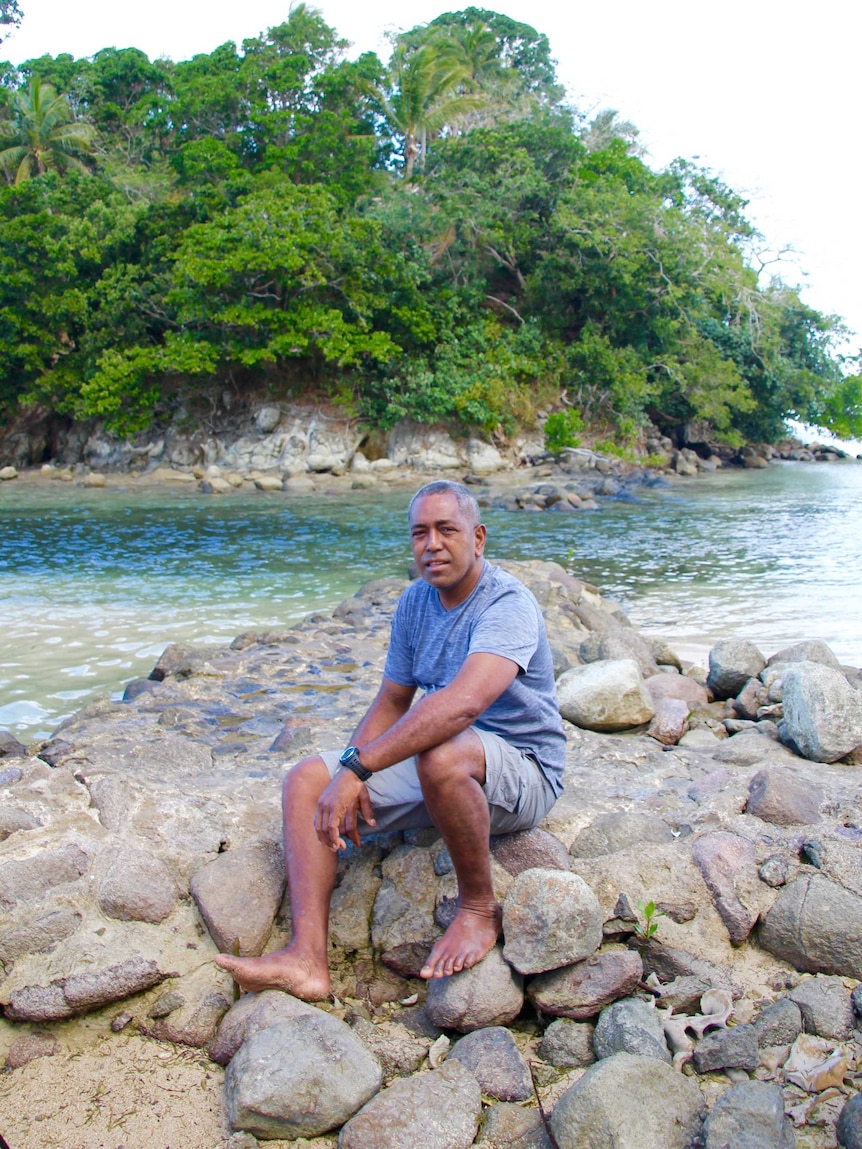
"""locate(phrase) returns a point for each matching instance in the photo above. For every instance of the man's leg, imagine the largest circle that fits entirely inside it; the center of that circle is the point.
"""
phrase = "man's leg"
(302, 968)
(452, 776)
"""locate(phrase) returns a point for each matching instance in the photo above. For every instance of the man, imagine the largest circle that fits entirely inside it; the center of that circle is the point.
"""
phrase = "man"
(481, 752)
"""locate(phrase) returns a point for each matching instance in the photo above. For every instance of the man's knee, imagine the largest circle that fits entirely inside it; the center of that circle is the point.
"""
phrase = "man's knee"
(309, 776)
(459, 758)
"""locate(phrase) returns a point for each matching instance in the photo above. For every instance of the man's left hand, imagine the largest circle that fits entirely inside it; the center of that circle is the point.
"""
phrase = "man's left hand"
(337, 811)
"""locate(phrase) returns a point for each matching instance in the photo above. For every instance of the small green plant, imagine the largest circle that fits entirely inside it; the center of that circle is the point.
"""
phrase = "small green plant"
(646, 928)
(561, 430)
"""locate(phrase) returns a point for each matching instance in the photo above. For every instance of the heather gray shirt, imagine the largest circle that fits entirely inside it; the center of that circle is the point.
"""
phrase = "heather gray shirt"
(429, 645)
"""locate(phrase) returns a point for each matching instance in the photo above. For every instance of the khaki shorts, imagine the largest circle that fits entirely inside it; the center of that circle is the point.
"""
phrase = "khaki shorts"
(519, 795)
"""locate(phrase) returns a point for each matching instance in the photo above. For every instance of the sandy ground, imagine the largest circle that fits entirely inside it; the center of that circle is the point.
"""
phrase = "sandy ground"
(130, 1093)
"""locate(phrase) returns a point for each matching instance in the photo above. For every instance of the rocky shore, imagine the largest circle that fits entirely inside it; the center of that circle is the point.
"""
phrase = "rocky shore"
(682, 947)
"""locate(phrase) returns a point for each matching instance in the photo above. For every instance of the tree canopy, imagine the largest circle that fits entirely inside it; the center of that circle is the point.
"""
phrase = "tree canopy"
(437, 236)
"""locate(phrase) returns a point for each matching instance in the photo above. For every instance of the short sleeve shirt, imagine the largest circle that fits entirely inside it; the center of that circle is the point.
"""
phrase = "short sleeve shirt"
(429, 644)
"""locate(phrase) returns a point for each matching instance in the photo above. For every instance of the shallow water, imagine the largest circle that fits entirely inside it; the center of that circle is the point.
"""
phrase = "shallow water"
(95, 583)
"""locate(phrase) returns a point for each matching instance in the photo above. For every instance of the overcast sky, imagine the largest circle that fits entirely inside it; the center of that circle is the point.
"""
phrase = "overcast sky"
(763, 92)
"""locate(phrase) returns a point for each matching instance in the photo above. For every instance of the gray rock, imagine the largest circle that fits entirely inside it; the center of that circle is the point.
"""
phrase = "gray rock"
(732, 662)
(398, 1052)
(779, 1023)
(267, 419)
(436, 1110)
(848, 1131)
(774, 871)
(12, 820)
(490, 993)
(27, 1047)
(816, 925)
(629, 1102)
(43, 932)
(856, 999)
(826, 1006)
(749, 1116)
(581, 990)
(783, 798)
(509, 1126)
(299, 1078)
(495, 1061)
(724, 860)
(733, 1048)
(630, 1026)
(253, 1013)
(670, 721)
(10, 747)
(604, 696)
(403, 927)
(568, 1044)
(822, 712)
(238, 895)
(609, 833)
(750, 699)
(529, 850)
(136, 887)
(28, 878)
(82, 992)
(550, 919)
(625, 643)
(679, 687)
(813, 650)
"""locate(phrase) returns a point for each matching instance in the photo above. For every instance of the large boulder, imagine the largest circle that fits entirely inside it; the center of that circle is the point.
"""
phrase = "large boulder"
(551, 918)
(605, 696)
(238, 894)
(299, 1078)
(489, 993)
(731, 663)
(816, 926)
(629, 1102)
(749, 1116)
(822, 712)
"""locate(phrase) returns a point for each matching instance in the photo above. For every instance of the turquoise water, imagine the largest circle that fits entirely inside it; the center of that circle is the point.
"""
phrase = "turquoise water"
(95, 583)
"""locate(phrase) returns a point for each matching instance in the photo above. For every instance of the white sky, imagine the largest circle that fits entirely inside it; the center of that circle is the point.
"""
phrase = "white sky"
(764, 92)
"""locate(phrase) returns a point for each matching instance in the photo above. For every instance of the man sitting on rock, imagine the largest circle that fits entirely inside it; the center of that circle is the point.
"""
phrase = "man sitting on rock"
(480, 753)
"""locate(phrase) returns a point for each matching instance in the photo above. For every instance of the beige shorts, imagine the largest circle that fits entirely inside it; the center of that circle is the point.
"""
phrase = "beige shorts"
(519, 795)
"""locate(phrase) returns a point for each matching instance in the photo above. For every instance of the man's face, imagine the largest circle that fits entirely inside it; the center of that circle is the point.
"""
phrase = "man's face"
(447, 549)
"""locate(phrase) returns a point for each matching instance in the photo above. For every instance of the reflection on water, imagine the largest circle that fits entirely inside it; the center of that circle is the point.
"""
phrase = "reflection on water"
(94, 583)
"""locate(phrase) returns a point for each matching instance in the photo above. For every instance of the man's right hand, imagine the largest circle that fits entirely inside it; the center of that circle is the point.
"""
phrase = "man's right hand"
(337, 809)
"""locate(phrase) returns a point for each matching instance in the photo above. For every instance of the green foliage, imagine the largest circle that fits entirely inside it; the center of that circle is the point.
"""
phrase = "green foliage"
(646, 928)
(562, 430)
(42, 135)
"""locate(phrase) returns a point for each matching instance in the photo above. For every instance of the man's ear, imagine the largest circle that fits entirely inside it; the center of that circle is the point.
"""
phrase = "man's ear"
(480, 535)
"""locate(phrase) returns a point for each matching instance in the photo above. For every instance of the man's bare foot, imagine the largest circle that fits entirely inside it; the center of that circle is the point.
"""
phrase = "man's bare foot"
(471, 936)
(283, 969)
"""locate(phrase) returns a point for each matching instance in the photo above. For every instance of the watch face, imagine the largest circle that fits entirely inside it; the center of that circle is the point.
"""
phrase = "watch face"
(348, 754)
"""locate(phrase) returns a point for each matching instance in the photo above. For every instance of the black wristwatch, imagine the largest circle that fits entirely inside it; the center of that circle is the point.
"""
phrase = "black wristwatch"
(350, 760)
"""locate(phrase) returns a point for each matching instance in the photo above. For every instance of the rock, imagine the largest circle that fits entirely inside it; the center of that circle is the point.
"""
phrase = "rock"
(238, 895)
(253, 1013)
(529, 850)
(778, 1024)
(28, 878)
(435, 1110)
(267, 419)
(750, 699)
(678, 687)
(393, 1045)
(568, 1044)
(403, 929)
(12, 820)
(630, 1026)
(509, 1126)
(783, 799)
(700, 738)
(7, 473)
(581, 990)
(609, 833)
(733, 1048)
(732, 662)
(299, 1078)
(136, 887)
(825, 1005)
(811, 651)
(495, 1061)
(816, 925)
(822, 712)
(490, 993)
(670, 721)
(10, 747)
(39, 932)
(550, 919)
(848, 1131)
(604, 696)
(629, 1102)
(269, 482)
(622, 643)
(749, 1116)
(725, 861)
(83, 992)
(26, 1047)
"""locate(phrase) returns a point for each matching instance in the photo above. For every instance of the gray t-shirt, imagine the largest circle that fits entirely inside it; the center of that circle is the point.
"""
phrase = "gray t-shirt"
(429, 645)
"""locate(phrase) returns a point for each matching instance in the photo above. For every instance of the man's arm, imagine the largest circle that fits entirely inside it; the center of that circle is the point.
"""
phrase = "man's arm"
(442, 714)
(391, 703)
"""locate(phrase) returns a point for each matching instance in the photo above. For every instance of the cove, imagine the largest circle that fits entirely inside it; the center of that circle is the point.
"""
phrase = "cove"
(95, 583)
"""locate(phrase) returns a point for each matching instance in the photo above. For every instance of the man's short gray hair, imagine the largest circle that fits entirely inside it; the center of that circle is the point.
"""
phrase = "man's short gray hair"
(467, 504)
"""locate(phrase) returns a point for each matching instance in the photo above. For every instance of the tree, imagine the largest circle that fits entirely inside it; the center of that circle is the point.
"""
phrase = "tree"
(10, 15)
(44, 137)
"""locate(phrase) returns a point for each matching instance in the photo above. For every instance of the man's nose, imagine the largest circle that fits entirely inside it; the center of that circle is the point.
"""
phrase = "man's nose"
(434, 541)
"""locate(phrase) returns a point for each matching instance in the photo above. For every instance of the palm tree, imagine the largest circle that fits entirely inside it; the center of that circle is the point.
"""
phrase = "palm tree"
(427, 97)
(606, 126)
(43, 135)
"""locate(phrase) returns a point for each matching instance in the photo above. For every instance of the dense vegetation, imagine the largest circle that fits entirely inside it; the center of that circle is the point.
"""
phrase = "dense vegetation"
(441, 237)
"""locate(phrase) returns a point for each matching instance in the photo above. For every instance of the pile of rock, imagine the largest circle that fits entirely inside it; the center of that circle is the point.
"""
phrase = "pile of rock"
(145, 836)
